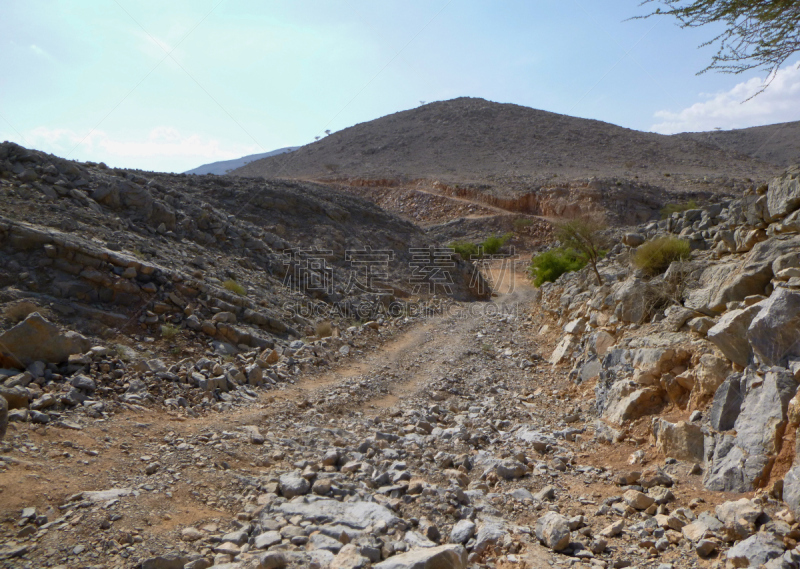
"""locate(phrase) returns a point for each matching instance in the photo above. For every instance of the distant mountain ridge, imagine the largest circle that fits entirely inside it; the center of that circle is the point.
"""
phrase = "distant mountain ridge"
(512, 147)
(226, 166)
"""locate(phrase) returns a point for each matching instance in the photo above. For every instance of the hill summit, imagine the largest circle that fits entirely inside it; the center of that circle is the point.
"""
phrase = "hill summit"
(472, 140)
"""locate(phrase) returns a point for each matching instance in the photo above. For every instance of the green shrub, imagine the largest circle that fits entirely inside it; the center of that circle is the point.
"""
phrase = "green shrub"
(465, 249)
(168, 331)
(671, 208)
(548, 266)
(233, 286)
(655, 256)
(492, 244)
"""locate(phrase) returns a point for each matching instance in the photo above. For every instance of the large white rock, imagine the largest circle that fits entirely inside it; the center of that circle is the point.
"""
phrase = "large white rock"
(730, 334)
(774, 333)
(37, 339)
(783, 195)
(681, 440)
(552, 529)
(450, 556)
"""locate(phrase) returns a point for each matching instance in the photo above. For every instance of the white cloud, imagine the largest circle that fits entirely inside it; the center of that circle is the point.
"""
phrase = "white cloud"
(780, 102)
(163, 148)
(39, 51)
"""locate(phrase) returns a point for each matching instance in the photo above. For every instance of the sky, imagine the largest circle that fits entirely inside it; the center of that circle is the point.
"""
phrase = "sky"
(169, 86)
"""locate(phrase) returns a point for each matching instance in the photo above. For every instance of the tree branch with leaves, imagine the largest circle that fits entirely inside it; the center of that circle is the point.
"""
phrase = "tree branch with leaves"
(584, 235)
(758, 34)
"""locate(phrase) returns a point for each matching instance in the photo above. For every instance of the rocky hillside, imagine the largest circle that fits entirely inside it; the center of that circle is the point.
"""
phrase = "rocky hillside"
(776, 143)
(509, 149)
(703, 361)
(157, 265)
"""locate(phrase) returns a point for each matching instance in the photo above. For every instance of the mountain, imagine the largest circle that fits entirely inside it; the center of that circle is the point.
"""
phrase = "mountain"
(776, 143)
(225, 166)
(507, 146)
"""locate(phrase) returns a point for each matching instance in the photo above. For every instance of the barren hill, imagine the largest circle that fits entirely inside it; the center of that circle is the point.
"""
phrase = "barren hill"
(776, 143)
(508, 147)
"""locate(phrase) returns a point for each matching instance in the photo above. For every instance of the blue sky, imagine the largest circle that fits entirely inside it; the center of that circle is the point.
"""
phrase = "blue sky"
(171, 85)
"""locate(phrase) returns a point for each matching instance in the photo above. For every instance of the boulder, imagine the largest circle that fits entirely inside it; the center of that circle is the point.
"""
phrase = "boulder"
(632, 300)
(36, 338)
(462, 531)
(637, 500)
(721, 283)
(741, 463)
(734, 512)
(357, 515)
(510, 469)
(681, 440)
(168, 561)
(710, 372)
(791, 489)
(349, 558)
(756, 550)
(601, 342)
(727, 402)
(774, 333)
(628, 401)
(293, 484)
(730, 334)
(552, 529)
(783, 195)
(17, 397)
(450, 556)
(564, 349)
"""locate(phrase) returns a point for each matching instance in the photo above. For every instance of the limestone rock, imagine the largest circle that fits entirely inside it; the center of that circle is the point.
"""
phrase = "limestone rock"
(783, 195)
(511, 469)
(738, 463)
(294, 485)
(709, 375)
(637, 500)
(552, 529)
(443, 557)
(774, 332)
(681, 440)
(36, 338)
(349, 558)
(727, 403)
(628, 402)
(462, 531)
(755, 550)
(791, 489)
(357, 515)
(730, 334)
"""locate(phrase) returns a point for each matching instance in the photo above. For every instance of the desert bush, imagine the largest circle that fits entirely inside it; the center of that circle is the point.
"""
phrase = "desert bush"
(655, 256)
(584, 235)
(323, 329)
(235, 287)
(548, 266)
(492, 244)
(465, 249)
(671, 208)
(169, 331)
(19, 311)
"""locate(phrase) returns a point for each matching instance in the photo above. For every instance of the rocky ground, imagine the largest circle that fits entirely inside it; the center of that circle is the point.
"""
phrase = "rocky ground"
(645, 421)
